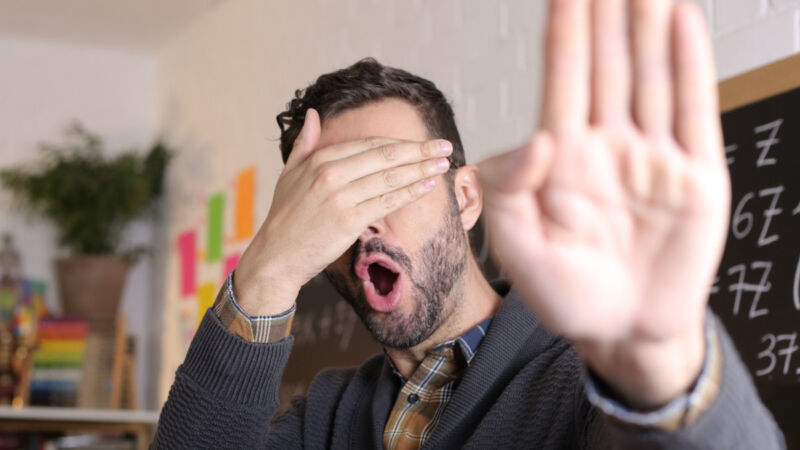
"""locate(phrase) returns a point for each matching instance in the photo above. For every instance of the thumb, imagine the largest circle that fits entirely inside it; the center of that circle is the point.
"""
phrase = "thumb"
(524, 168)
(306, 141)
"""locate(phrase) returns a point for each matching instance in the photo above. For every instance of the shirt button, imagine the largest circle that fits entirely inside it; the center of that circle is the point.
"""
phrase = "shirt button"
(413, 398)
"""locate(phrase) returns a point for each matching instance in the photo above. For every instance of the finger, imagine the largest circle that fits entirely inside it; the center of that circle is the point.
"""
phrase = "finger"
(347, 149)
(379, 207)
(391, 179)
(652, 76)
(306, 141)
(697, 122)
(522, 169)
(387, 156)
(566, 92)
(611, 63)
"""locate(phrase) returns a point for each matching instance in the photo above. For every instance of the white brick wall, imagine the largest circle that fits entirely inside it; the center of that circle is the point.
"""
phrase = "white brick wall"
(751, 33)
(735, 14)
(754, 44)
(485, 55)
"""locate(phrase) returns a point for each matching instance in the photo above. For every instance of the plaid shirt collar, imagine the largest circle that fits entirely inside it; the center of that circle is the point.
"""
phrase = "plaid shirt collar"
(467, 342)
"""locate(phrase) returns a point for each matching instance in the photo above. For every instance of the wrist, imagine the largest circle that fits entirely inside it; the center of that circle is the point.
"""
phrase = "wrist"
(646, 375)
(263, 291)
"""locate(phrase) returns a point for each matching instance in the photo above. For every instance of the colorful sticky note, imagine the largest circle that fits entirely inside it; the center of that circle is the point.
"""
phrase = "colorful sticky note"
(245, 200)
(216, 208)
(230, 263)
(205, 299)
(187, 262)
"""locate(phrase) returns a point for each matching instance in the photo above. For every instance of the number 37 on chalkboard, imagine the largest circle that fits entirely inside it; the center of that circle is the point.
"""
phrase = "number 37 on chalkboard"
(757, 289)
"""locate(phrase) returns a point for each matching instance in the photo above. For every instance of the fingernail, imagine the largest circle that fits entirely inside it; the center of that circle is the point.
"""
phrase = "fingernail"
(428, 185)
(442, 164)
(445, 148)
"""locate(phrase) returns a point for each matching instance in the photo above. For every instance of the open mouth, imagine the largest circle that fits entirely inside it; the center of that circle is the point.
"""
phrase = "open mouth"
(381, 279)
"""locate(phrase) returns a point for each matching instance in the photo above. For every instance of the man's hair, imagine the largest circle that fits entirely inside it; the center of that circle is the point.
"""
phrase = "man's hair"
(364, 82)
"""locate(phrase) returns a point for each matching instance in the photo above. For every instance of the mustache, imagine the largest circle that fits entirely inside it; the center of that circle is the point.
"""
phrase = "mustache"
(377, 245)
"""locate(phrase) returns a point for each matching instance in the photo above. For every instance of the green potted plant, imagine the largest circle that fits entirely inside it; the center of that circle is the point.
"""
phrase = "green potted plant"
(90, 198)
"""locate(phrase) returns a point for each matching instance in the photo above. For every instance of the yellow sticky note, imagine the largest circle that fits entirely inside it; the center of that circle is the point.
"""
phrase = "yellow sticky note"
(205, 298)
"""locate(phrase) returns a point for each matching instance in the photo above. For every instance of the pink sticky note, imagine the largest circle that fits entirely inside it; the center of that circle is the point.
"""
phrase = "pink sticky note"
(187, 249)
(230, 263)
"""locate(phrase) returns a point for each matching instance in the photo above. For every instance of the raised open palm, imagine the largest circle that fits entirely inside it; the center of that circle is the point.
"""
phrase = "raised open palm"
(612, 219)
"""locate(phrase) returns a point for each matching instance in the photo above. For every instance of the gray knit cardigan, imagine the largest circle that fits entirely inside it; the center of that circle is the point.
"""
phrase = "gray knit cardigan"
(523, 389)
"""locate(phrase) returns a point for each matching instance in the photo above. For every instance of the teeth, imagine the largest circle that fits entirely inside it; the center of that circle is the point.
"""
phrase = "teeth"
(378, 290)
(374, 286)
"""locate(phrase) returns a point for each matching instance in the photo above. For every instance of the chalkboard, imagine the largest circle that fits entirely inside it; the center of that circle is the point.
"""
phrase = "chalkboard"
(756, 291)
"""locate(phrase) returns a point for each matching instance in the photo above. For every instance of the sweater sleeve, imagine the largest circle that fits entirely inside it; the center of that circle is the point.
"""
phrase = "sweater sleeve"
(680, 411)
(735, 419)
(225, 393)
(250, 328)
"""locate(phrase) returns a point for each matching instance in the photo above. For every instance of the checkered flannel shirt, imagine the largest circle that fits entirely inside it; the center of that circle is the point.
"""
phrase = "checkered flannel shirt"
(424, 396)
(261, 329)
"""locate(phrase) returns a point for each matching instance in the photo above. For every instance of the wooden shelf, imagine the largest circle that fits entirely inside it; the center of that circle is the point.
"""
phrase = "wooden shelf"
(54, 419)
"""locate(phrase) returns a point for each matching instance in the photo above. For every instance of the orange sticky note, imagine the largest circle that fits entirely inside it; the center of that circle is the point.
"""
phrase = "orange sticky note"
(205, 298)
(244, 203)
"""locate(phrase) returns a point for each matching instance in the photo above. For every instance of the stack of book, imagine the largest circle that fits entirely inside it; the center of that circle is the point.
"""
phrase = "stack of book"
(58, 361)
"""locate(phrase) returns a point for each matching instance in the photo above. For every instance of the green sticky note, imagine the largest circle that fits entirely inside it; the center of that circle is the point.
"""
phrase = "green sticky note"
(216, 207)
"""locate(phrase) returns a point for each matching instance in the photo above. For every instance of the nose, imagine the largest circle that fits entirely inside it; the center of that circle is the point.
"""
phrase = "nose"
(375, 229)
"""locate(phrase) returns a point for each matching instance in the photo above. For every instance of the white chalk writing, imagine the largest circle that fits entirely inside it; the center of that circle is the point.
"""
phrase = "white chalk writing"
(741, 286)
(769, 213)
(786, 351)
(728, 150)
(766, 144)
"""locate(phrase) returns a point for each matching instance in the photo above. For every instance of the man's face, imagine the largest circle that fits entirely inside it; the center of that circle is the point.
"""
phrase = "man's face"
(404, 275)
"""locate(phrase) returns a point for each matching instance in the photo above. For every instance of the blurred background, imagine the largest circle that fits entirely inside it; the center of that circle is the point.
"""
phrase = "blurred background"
(208, 78)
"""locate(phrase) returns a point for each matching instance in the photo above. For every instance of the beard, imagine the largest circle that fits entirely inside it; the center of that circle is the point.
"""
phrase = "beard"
(435, 274)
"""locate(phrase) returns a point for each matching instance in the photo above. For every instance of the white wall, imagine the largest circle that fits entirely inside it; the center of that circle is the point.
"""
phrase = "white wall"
(222, 80)
(44, 86)
(751, 33)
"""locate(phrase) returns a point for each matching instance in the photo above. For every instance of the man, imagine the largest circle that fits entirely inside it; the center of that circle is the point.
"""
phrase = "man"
(610, 222)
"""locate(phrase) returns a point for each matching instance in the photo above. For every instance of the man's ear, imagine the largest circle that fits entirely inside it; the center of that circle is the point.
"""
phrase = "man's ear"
(469, 195)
